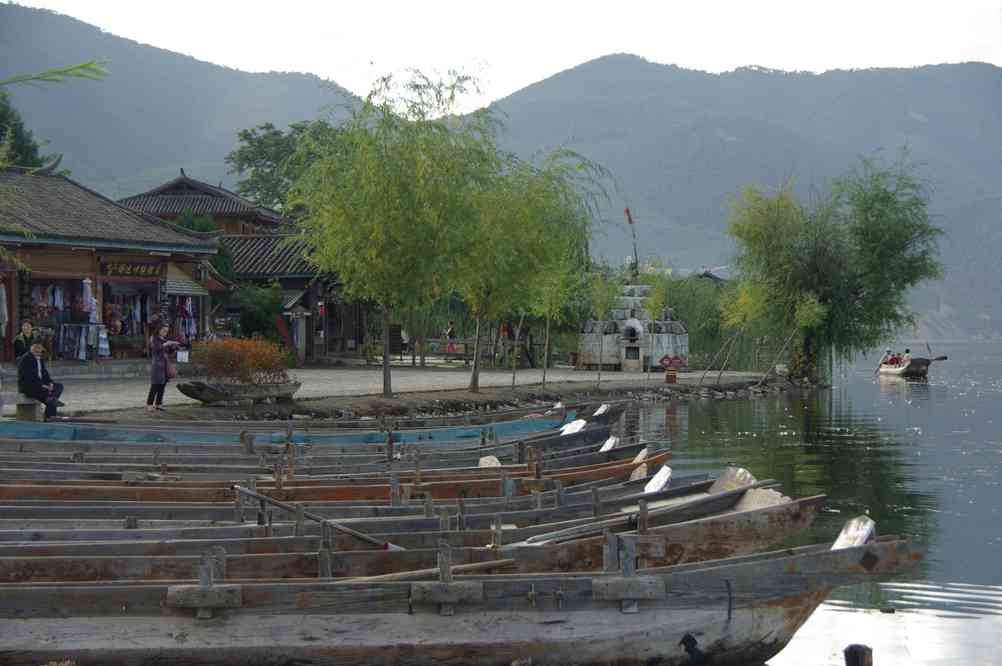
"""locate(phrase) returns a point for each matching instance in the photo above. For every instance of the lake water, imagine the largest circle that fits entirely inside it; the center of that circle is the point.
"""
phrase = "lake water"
(922, 459)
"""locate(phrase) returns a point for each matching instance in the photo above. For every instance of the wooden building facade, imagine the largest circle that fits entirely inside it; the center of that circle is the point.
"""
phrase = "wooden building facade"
(93, 276)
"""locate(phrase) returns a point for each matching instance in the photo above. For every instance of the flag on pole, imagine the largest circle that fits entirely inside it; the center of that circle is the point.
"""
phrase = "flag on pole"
(629, 218)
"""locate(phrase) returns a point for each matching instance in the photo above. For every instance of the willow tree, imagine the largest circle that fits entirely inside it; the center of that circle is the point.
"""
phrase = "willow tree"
(604, 292)
(526, 215)
(384, 197)
(834, 274)
(553, 288)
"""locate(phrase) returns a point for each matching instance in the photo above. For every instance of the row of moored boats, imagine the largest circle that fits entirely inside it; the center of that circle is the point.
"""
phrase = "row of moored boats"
(548, 538)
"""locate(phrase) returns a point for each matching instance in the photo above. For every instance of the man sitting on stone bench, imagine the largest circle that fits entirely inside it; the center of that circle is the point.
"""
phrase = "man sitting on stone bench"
(33, 380)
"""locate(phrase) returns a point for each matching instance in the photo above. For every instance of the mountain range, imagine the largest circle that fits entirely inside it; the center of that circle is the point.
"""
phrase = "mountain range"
(678, 142)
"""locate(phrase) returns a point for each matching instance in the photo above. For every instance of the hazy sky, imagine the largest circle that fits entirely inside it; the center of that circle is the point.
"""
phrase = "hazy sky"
(514, 43)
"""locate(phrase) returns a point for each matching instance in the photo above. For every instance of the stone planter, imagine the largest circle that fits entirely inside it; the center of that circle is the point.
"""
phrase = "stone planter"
(217, 392)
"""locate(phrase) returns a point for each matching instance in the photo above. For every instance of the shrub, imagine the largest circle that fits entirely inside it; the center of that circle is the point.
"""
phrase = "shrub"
(244, 360)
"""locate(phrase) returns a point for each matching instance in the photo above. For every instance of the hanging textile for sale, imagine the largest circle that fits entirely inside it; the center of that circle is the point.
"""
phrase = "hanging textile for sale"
(103, 348)
(89, 302)
(3, 309)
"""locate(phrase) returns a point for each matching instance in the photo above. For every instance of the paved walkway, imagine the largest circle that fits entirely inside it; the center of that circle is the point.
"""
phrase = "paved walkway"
(90, 395)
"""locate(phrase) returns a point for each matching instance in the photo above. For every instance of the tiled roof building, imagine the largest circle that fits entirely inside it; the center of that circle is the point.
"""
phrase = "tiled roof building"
(57, 210)
(232, 212)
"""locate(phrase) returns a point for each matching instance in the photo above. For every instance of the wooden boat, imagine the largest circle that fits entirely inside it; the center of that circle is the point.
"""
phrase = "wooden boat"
(727, 611)
(68, 431)
(211, 393)
(469, 482)
(710, 536)
(916, 368)
(121, 467)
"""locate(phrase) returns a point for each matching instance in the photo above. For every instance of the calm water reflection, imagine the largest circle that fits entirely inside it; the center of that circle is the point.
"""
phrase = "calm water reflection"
(922, 459)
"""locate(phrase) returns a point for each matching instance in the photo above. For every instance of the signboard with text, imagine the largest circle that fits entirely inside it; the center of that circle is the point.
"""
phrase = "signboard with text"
(130, 269)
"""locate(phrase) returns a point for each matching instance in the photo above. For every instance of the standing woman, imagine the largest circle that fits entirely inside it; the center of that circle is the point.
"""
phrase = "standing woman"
(159, 346)
(24, 340)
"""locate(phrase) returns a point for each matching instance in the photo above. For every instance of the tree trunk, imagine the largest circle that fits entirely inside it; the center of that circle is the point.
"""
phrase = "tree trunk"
(514, 351)
(601, 352)
(387, 384)
(475, 374)
(546, 350)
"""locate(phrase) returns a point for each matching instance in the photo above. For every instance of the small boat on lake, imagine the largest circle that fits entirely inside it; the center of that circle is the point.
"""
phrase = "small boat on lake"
(916, 368)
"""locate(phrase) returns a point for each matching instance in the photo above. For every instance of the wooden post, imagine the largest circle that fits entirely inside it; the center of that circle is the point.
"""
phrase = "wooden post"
(558, 493)
(325, 558)
(642, 518)
(429, 506)
(394, 489)
(506, 488)
(537, 499)
(205, 581)
(444, 523)
(247, 440)
(498, 532)
(261, 513)
(858, 655)
(417, 465)
(131, 522)
(205, 572)
(238, 507)
(596, 504)
(531, 461)
(628, 566)
(156, 457)
(268, 530)
(219, 562)
(389, 446)
(610, 552)
(445, 572)
(300, 520)
(520, 452)
(276, 472)
(461, 520)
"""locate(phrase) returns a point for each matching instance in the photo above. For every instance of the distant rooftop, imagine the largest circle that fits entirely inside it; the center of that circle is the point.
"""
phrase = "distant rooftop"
(185, 193)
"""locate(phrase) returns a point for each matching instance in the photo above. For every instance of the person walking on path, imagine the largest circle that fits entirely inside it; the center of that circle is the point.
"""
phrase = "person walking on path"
(33, 380)
(450, 335)
(160, 369)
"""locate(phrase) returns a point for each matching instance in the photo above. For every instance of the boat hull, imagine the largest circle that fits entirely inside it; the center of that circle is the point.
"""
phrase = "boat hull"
(916, 368)
(730, 611)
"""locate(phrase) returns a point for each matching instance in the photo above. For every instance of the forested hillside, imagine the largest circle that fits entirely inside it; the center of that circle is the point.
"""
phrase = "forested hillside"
(677, 141)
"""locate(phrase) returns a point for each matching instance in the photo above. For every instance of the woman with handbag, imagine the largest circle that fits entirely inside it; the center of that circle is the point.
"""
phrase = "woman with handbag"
(161, 369)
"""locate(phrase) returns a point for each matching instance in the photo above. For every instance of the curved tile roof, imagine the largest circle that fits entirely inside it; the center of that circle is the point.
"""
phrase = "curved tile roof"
(54, 207)
(268, 256)
(174, 197)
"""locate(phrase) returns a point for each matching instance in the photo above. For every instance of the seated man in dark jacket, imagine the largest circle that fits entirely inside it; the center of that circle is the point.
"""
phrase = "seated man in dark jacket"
(33, 380)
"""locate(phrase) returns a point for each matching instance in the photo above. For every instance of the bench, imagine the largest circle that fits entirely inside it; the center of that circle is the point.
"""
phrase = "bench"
(27, 409)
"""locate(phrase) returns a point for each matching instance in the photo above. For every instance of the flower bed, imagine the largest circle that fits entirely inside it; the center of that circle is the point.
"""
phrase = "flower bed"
(255, 361)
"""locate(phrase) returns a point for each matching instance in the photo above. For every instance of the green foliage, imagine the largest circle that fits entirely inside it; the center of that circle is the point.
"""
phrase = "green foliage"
(658, 295)
(268, 162)
(387, 196)
(201, 223)
(92, 69)
(17, 144)
(259, 306)
(604, 290)
(838, 270)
